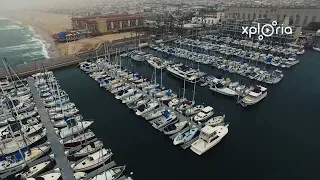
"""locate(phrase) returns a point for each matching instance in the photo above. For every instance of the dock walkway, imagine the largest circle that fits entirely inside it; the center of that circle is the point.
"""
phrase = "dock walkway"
(60, 157)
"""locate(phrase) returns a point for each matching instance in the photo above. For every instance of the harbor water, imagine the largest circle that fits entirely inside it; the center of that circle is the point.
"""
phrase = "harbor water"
(20, 43)
(274, 139)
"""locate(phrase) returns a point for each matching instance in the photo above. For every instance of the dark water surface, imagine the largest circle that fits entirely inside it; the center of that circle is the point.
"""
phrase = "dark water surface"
(275, 139)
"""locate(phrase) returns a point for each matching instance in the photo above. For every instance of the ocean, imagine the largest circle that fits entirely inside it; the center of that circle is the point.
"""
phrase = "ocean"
(20, 44)
(275, 139)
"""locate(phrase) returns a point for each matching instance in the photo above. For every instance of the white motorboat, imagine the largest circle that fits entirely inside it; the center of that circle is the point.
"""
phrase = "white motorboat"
(137, 104)
(125, 93)
(316, 48)
(50, 176)
(67, 113)
(166, 120)
(132, 98)
(174, 128)
(174, 102)
(156, 63)
(69, 131)
(89, 149)
(219, 88)
(143, 109)
(215, 121)
(184, 72)
(110, 174)
(155, 114)
(209, 137)
(186, 105)
(254, 96)
(93, 160)
(194, 110)
(12, 162)
(204, 114)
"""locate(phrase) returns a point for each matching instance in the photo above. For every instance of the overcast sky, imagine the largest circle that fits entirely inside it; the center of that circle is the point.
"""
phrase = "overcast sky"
(18, 4)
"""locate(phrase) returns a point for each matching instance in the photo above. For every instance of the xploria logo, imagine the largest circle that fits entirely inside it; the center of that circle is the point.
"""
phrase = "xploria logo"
(266, 30)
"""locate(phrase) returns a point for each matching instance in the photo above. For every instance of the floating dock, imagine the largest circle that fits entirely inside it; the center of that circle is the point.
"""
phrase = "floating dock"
(56, 146)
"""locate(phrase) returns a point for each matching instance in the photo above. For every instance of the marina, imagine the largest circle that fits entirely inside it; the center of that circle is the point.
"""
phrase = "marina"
(48, 103)
(117, 79)
(150, 142)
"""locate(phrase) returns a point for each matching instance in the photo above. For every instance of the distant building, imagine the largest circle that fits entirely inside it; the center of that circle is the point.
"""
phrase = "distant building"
(298, 16)
(98, 25)
(235, 27)
(208, 20)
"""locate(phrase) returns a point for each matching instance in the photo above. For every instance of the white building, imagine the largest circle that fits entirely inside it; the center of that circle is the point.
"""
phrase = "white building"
(208, 19)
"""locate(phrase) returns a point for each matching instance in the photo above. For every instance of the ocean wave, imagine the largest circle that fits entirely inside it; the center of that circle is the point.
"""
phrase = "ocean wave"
(10, 27)
(3, 18)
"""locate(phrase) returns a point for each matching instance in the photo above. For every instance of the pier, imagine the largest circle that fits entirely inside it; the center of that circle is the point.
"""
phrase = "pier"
(56, 146)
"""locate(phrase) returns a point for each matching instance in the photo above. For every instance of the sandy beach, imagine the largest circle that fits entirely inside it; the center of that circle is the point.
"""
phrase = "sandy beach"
(46, 24)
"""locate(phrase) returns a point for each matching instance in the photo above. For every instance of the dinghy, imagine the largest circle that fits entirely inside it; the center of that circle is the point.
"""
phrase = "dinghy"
(174, 128)
(89, 149)
(93, 160)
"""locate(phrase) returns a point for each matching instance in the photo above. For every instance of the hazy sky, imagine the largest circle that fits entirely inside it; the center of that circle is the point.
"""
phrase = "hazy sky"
(18, 4)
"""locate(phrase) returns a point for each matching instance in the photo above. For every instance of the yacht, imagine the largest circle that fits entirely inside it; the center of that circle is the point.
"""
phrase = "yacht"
(156, 63)
(204, 114)
(184, 72)
(254, 96)
(79, 139)
(219, 88)
(125, 93)
(156, 114)
(209, 137)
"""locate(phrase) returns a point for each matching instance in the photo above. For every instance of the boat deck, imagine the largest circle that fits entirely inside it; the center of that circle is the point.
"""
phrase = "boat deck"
(100, 170)
(57, 149)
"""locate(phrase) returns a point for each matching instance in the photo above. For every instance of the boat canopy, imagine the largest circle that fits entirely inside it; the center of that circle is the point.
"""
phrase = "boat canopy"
(87, 67)
(269, 59)
(219, 85)
(168, 93)
(106, 81)
(166, 113)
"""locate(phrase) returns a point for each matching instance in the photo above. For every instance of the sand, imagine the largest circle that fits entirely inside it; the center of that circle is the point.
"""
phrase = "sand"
(83, 45)
(46, 24)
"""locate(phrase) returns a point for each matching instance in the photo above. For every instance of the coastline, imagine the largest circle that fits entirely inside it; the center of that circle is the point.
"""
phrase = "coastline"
(43, 25)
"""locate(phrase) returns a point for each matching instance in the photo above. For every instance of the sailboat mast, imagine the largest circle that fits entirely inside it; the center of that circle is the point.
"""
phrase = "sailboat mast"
(194, 91)
(184, 86)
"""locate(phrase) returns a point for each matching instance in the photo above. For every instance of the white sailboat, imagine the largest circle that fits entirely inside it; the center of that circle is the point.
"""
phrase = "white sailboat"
(77, 128)
(89, 149)
(93, 160)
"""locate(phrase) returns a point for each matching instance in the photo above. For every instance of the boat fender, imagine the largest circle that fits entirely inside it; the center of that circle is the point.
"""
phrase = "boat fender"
(57, 131)
(52, 156)
(73, 165)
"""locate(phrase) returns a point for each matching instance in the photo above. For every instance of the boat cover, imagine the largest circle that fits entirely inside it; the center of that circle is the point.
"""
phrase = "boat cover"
(166, 113)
